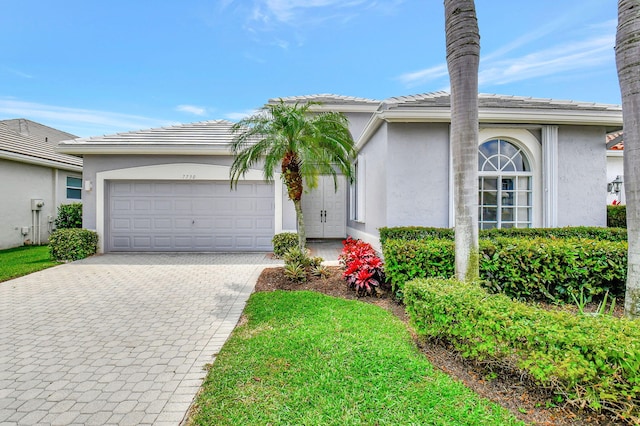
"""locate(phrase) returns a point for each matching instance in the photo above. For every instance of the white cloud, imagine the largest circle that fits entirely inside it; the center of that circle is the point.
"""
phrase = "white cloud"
(17, 72)
(82, 122)
(499, 67)
(555, 60)
(192, 109)
(417, 78)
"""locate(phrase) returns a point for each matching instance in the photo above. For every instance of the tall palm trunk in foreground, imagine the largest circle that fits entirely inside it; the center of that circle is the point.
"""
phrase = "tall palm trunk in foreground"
(463, 58)
(628, 64)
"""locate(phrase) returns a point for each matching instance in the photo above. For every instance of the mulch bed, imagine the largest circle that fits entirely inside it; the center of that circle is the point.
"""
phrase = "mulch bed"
(526, 402)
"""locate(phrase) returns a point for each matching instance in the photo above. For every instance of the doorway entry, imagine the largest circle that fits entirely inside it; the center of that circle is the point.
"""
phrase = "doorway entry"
(325, 209)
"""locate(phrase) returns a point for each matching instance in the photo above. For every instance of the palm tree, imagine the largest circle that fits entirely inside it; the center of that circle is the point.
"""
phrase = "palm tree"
(303, 144)
(627, 54)
(463, 57)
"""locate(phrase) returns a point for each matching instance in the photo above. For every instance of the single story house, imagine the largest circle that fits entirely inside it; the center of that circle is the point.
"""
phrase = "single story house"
(35, 181)
(542, 162)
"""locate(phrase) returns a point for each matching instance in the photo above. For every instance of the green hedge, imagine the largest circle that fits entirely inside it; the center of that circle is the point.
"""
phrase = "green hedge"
(69, 216)
(529, 269)
(617, 216)
(420, 233)
(590, 360)
(72, 244)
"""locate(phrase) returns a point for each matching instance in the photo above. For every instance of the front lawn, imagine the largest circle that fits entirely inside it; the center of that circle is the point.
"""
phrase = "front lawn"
(307, 358)
(19, 261)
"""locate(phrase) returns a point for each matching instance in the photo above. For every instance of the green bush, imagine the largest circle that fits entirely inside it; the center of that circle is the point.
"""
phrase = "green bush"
(421, 233)
(283, 242)
(408, 259)
(530, 269)
(588, 360)
(408, 233)
(72, 244)
(617, 216)
(69, 216)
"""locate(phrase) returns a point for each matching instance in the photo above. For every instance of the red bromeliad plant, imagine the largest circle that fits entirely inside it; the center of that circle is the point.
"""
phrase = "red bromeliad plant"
(363, 268)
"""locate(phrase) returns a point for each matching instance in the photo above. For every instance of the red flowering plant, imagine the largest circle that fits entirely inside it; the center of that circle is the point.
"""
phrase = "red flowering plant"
(363, 267)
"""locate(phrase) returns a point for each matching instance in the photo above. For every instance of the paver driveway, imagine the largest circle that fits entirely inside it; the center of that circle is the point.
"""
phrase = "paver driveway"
(117, 338)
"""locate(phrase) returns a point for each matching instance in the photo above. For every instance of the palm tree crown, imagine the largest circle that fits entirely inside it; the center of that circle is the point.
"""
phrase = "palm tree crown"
(303, 144)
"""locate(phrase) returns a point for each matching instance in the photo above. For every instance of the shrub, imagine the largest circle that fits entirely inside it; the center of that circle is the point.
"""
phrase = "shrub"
(299, 264)
(69, 216)
(363, 267)
(617, 216)
(532, 269)
(72, 244)
(283, 242)
(588, 360)
(421, 233)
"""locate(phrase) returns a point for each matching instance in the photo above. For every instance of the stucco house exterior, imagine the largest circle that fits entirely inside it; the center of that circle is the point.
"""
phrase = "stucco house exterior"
(35, 181)
(541, 163)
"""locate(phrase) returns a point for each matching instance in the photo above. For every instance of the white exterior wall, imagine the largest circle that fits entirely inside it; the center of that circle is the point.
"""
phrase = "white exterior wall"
(418, 175)
(22, 182)
(582, 174)
(357, 122)
(375, 157)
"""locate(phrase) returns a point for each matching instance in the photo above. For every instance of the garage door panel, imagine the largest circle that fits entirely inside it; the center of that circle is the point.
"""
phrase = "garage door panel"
(122, 224)
(190, 216)
(162, 205)
(142, 224)
(162, 223)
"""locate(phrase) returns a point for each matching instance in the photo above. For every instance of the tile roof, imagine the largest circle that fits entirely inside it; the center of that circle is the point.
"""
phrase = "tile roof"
(36, 130)
(442, 99)
(328, 99)
(212, 132)
(615, 141)
(38, 150)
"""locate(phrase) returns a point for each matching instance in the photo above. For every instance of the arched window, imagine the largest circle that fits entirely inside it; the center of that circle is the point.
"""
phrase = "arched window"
(505, 186)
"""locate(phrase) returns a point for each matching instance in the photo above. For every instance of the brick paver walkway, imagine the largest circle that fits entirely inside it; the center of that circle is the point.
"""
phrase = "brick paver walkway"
(119, 338)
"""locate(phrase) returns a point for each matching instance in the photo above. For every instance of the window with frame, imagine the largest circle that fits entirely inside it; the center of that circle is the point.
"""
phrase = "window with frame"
(505, 179)
(74, 188)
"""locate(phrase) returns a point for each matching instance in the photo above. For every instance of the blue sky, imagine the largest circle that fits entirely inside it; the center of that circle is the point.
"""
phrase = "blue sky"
(93, 68)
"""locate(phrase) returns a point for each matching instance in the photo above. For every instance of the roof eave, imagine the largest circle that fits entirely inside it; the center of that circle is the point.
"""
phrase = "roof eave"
(609, 119)
(6, 155)
(143, 149)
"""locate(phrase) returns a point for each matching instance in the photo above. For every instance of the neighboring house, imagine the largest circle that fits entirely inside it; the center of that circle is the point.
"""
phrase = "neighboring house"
(542, 163)
(615, 166)
(35, 181)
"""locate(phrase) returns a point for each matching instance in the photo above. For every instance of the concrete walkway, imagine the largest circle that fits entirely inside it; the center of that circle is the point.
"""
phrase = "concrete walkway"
(119, 338)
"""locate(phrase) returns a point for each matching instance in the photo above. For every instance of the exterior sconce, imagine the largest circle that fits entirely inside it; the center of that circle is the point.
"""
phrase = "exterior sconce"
(615, 186)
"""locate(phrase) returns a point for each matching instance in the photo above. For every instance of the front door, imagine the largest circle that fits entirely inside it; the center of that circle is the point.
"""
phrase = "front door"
(325, 209)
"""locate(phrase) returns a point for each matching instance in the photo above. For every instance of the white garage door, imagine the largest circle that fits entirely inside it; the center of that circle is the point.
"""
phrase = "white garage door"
(189, 216)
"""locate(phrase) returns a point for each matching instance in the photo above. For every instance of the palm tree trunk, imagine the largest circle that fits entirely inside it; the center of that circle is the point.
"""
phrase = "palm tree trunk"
(463, 57)
(302, 232)
(627, 54)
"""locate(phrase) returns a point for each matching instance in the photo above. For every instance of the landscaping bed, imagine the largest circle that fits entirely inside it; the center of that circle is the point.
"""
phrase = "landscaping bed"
(526, 402)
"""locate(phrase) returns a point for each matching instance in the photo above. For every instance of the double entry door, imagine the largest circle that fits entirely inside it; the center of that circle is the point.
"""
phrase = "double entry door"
(325, 209)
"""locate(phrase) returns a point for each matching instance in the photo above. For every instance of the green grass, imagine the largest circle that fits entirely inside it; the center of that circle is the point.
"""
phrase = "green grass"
(20, 261)
(304, 358)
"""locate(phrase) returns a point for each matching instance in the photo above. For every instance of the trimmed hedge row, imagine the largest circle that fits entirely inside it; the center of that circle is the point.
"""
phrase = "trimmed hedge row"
(589, 360)
(72, 244)
(617, 216)
(421, 233)
(526, 269)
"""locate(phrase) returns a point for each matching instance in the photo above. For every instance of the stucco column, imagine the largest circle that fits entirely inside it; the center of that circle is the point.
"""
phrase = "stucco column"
(550, 176)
